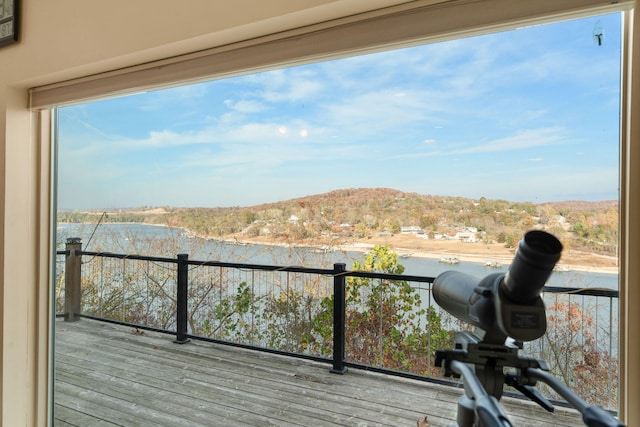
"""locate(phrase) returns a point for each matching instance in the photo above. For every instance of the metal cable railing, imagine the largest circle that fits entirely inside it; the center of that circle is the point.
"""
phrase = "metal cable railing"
(361, 319)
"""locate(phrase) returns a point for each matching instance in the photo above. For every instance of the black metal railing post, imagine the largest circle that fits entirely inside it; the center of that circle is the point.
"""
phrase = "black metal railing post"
(72, 279)
(339, 285)
(181, 299)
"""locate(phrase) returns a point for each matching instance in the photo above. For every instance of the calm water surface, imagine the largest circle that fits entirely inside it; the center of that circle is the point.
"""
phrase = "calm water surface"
(145, 239)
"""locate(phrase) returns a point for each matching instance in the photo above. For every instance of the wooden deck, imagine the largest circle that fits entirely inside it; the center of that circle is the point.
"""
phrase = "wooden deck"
(108, 375)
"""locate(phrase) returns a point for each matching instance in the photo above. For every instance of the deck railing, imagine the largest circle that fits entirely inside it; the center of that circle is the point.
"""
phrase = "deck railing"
(390, 324)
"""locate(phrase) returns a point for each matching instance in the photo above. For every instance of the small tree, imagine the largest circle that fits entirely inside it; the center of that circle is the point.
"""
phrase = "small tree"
(289, 320)
(387, 324)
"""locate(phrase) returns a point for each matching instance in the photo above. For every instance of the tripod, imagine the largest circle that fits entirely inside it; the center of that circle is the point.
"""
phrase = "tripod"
(481, 364)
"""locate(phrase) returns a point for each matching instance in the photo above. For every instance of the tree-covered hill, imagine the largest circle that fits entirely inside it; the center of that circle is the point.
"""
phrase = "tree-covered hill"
(359, 213)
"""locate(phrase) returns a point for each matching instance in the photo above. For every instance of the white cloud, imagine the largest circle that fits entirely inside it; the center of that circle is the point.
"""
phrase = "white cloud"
(522, 139)
(250, 106)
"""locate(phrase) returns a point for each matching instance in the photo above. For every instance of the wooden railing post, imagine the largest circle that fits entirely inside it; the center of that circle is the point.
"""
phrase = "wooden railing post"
(339, 285)
(181, 299)
(72, 279)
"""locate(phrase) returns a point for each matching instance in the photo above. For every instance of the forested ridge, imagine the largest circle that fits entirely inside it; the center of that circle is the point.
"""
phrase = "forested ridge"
(359, 213)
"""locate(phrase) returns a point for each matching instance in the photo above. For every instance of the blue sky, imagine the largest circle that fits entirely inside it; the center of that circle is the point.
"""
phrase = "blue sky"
(526, 115)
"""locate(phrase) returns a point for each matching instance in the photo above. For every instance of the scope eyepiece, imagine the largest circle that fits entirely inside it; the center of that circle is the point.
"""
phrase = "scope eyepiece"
(535, 258)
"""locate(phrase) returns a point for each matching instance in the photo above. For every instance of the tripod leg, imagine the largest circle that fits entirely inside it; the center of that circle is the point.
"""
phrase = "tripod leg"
(466, 415)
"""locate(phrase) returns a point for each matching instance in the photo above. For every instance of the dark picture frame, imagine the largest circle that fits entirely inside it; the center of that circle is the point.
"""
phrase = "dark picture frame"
(9, 22)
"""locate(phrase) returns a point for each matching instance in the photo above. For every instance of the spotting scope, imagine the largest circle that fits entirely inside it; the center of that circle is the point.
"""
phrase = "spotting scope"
(508, 304)
(501, 306)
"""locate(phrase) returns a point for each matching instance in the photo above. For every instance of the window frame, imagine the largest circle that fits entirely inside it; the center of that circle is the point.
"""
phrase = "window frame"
(401, 26)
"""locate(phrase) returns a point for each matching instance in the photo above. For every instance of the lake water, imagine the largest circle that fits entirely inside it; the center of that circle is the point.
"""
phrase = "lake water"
(140, 239)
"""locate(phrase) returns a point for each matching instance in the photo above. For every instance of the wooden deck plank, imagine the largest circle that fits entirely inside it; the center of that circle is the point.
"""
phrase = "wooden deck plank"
(265, 383)
(255, 391)
(180, 398)
(79, 418)
(108, 375)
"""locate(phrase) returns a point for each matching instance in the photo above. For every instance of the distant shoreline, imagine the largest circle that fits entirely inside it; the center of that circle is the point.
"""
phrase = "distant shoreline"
(419, 248)
(504, 258)
(478, 259)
